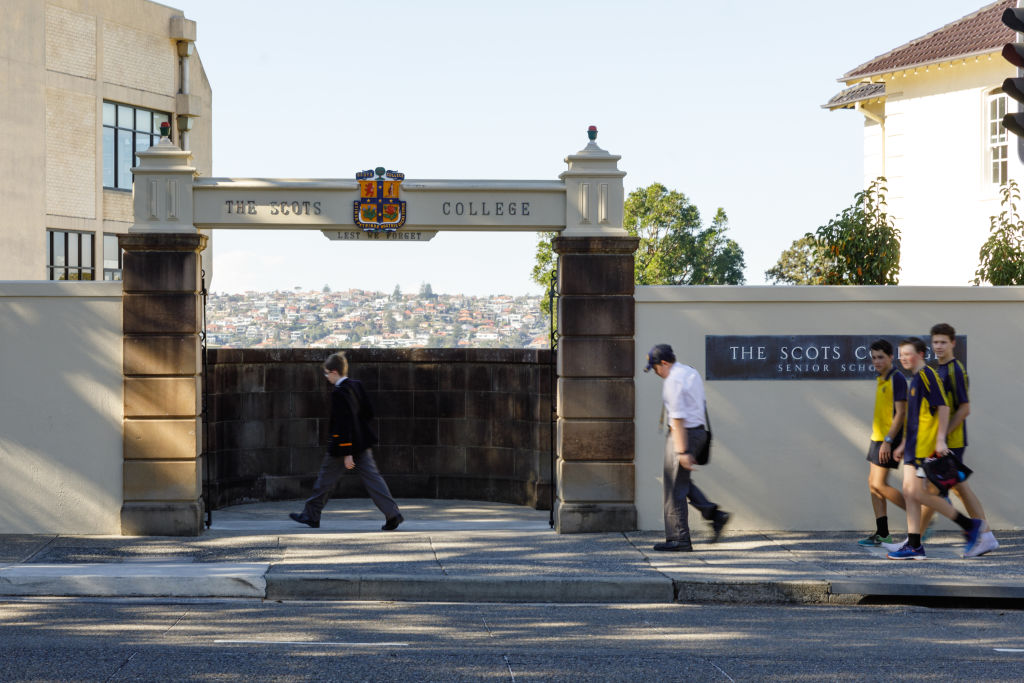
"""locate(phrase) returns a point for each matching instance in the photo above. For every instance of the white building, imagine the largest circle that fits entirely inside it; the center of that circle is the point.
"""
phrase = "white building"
(932, 126)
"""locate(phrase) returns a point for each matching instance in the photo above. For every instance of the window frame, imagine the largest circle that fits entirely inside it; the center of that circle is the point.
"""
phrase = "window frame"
(82, 272)
(115, 273)
(997, 144)
(119, 131)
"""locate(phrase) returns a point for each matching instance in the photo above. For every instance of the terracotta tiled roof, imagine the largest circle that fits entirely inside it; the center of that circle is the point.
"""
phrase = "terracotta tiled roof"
(977, 33)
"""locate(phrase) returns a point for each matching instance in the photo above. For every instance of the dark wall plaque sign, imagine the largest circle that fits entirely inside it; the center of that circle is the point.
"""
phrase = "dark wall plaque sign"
(801, 356)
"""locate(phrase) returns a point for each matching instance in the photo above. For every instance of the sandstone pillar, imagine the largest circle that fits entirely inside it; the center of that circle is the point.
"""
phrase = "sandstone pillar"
(596, 320)
(162, 319)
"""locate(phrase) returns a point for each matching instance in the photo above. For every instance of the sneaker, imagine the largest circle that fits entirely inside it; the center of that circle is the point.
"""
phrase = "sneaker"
(907, 553)
(894, 546)
(927, 533)
(718, 523)
(875, 540)
(986, 543)
(973, 536)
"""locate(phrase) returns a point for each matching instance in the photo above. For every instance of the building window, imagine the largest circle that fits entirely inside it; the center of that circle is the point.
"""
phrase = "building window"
(113, 257)
(998, 146)
(69, 255)
(126, 132)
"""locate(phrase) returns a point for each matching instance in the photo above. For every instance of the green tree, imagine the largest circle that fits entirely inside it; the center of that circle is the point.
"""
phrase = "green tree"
(861, 245)
(675, 248)
(397, 294)
(717, 259)
(800, 264)
(1001, 259)
(544, 268)
(426, 291)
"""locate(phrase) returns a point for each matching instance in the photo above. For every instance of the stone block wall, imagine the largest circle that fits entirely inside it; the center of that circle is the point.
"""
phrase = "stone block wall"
(453, 423)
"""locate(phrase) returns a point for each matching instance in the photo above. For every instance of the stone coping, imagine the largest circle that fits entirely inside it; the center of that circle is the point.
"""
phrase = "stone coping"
(60, 288)
(224, 356)
(823, 293)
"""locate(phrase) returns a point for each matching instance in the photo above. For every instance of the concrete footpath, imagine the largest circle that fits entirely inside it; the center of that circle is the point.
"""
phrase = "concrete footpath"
(460, 551)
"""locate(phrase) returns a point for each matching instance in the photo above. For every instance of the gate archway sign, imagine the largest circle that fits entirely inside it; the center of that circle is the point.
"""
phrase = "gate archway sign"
(162, 310)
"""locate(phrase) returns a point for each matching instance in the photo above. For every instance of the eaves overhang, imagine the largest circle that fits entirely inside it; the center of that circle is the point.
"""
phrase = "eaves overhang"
(865, 93)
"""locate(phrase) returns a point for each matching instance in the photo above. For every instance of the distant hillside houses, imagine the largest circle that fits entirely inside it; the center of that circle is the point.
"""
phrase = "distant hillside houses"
(362, 319)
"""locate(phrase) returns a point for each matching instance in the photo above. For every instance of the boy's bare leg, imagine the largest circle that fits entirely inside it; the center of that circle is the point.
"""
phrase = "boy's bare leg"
(923, 493)
(913, 505)
(881, 491)
(970, 500)
(966, 496)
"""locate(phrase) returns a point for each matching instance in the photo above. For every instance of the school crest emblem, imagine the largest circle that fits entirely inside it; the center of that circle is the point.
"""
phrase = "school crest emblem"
(378, 208)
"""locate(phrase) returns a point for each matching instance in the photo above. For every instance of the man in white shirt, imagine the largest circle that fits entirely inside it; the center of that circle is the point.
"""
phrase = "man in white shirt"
(683, 398)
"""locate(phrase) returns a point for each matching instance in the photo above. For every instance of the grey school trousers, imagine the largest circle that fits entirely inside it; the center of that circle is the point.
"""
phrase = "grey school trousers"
(679, 487)
(332, 468)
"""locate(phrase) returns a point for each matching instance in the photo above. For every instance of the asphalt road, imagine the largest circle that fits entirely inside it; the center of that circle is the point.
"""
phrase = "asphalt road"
(114, 640)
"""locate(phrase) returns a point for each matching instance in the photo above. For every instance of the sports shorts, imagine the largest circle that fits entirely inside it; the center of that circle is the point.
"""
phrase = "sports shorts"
(873, 456)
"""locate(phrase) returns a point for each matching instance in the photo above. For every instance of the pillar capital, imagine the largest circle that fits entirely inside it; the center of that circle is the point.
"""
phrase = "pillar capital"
(162, 189)
(593, 191)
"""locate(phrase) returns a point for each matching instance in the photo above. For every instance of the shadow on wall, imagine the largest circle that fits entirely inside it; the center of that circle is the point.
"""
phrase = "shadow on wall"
(61, 407)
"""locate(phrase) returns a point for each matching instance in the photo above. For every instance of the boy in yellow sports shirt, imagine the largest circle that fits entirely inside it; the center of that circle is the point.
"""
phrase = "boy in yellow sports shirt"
(923, 437)
(954, 381)
(886, 432)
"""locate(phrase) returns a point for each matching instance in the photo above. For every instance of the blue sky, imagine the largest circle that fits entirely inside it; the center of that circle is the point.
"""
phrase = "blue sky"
(719, 100)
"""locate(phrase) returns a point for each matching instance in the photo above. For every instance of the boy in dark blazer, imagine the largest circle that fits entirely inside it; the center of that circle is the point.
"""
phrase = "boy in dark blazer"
(349, 447)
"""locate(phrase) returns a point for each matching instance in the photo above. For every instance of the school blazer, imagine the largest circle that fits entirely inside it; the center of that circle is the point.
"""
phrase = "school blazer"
(349, 430)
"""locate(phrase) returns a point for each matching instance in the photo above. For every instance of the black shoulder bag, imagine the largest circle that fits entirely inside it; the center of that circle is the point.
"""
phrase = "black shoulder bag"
(704, 455)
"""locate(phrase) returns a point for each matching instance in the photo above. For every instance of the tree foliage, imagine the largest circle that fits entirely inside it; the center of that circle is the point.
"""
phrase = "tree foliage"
(675, 248)
(543, 271)
(1001, 259)
(860, 246)
(800, 264)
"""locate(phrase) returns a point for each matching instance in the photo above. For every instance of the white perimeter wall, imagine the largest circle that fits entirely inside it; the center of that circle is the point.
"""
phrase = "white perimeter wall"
(61, 407)
(790, 454)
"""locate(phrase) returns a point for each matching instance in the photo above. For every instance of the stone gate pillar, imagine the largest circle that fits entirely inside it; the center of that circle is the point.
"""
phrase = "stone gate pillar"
(596, 320)
(162, 314)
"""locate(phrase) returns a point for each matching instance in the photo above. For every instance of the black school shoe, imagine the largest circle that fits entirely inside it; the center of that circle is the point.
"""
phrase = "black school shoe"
(392, 522)
(718, 523)
(675, 546)
(302, 519)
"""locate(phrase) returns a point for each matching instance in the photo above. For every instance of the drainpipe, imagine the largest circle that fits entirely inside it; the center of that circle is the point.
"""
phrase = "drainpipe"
(880, 120)
(183, 33)
(185, 50)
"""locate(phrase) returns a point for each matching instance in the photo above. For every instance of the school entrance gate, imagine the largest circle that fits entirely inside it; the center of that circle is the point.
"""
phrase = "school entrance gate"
(162, 311)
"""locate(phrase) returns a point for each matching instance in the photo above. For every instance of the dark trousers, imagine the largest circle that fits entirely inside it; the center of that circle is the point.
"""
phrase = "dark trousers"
(333, 468)
(679, 487)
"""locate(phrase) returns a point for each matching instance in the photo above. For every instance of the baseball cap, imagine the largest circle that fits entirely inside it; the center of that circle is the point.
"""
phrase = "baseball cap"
(659, 353)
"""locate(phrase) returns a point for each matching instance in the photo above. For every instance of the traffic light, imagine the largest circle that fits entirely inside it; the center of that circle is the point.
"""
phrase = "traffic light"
(1014, 87)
